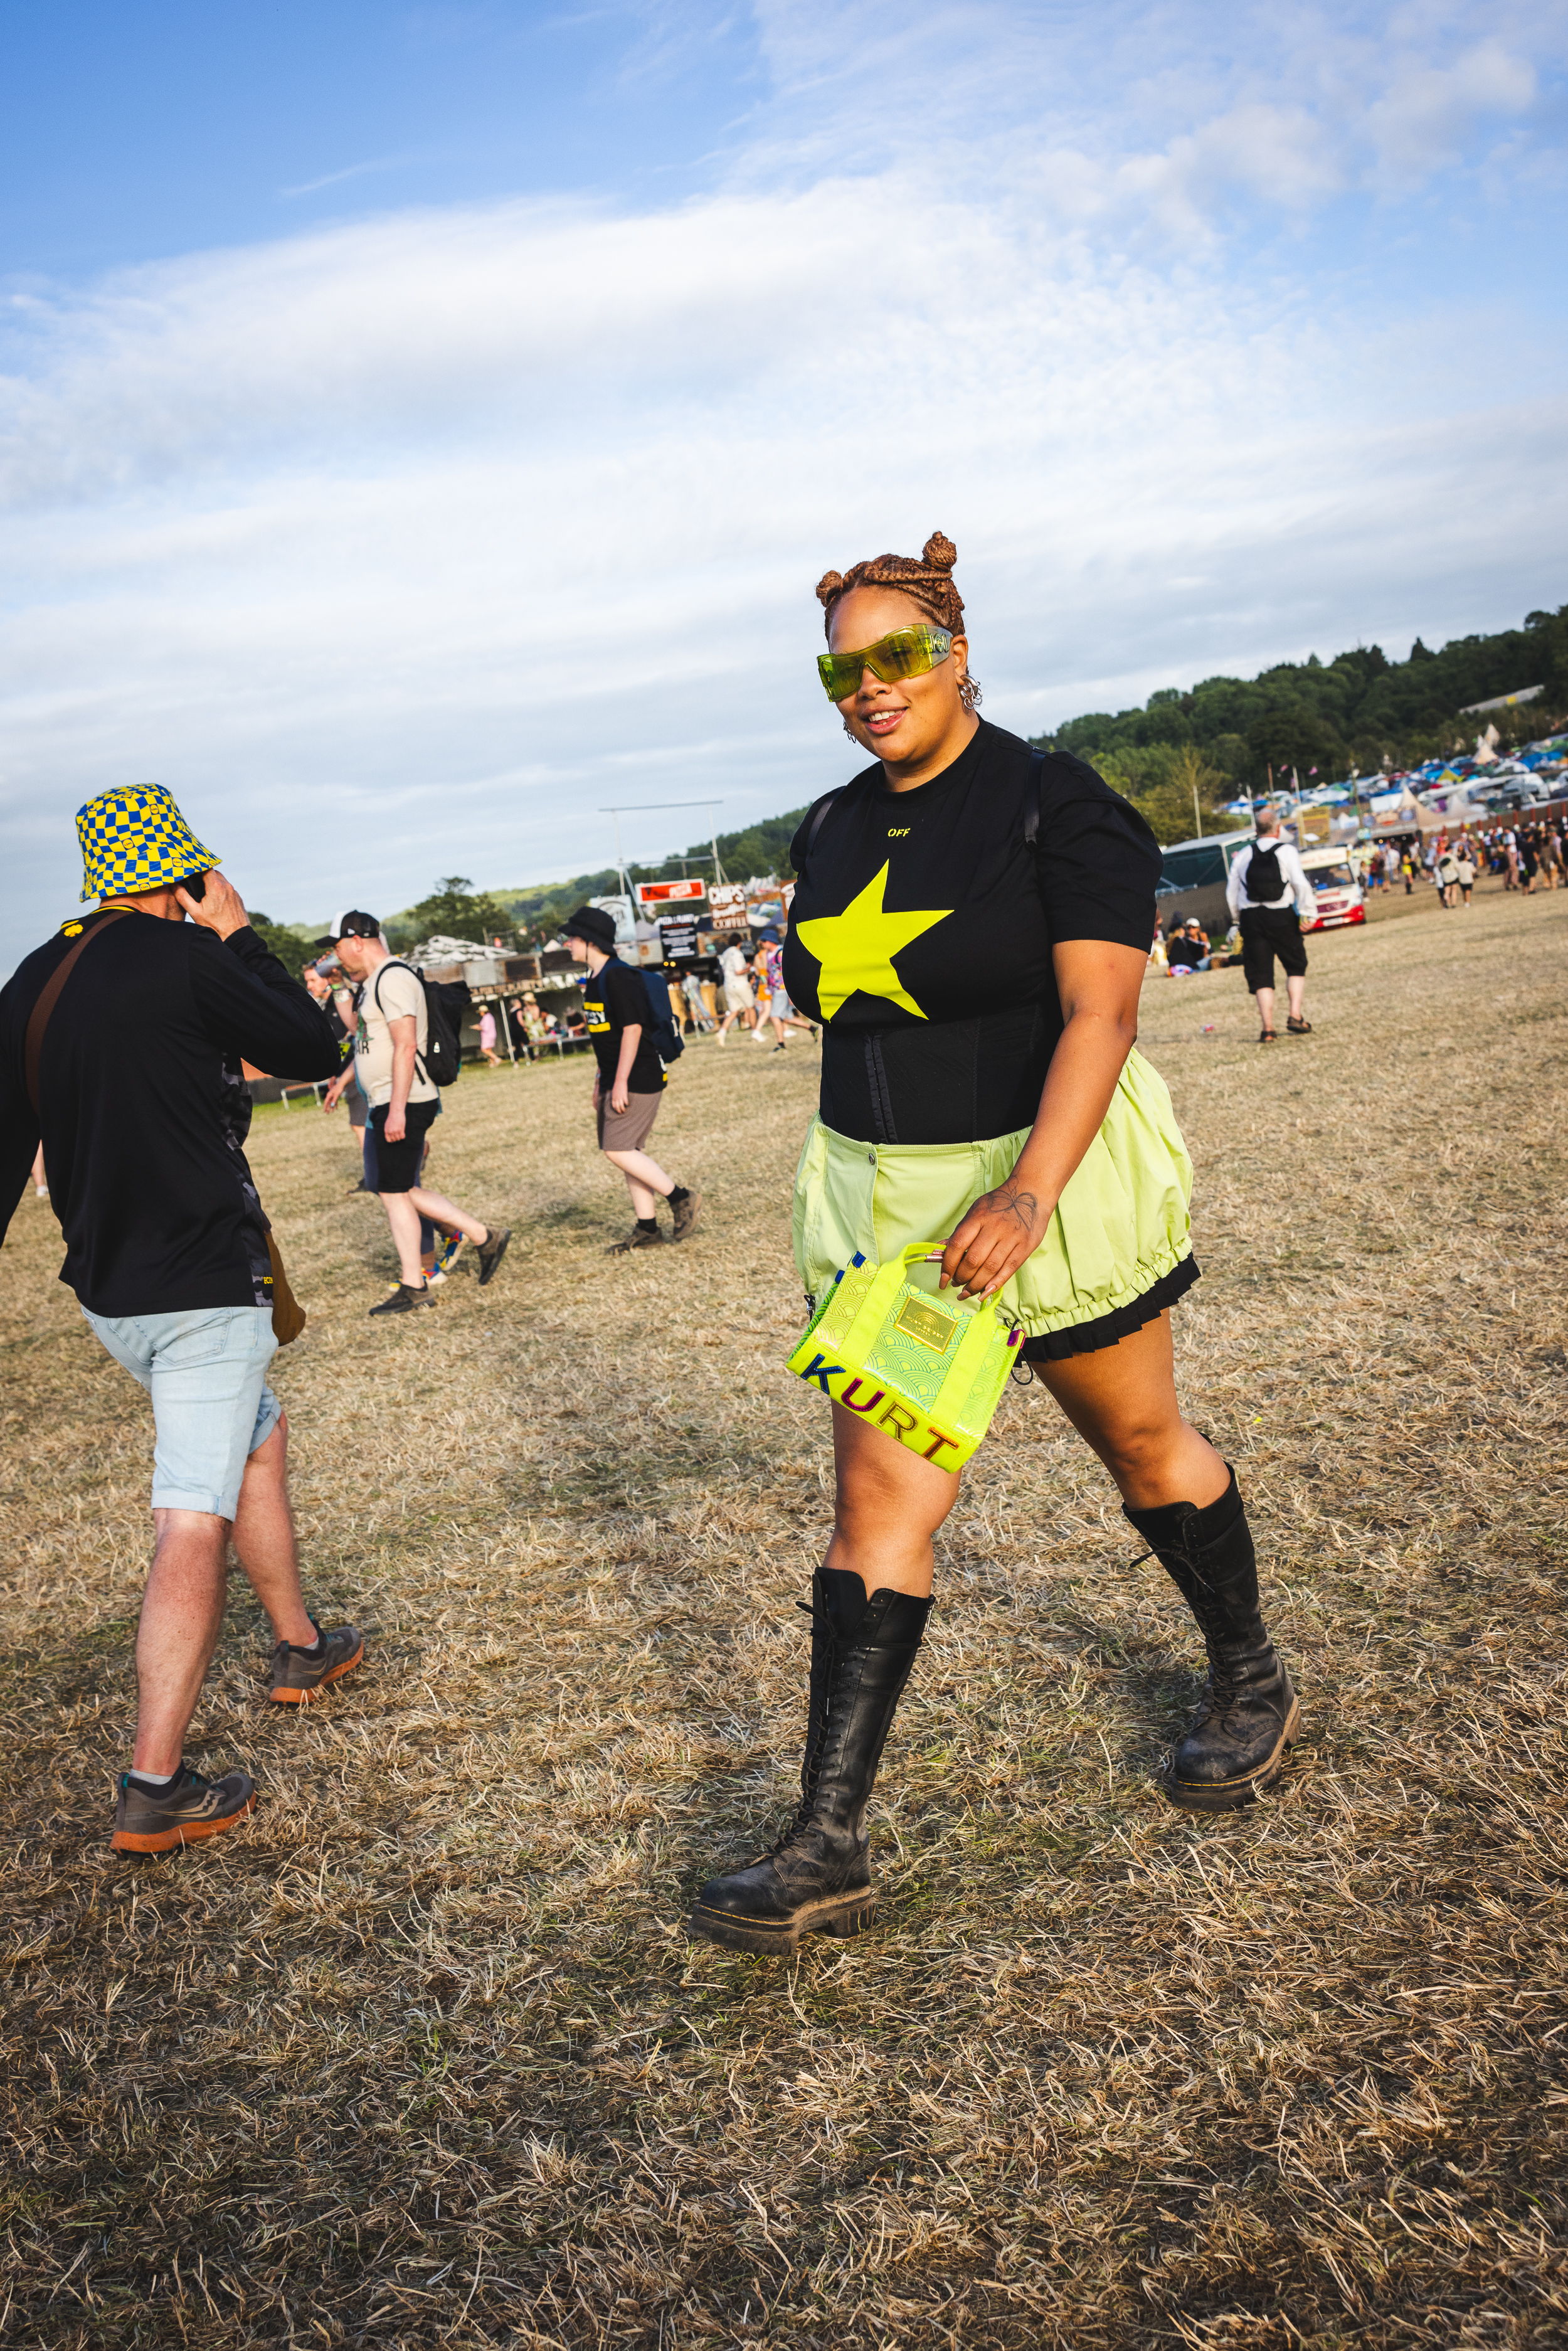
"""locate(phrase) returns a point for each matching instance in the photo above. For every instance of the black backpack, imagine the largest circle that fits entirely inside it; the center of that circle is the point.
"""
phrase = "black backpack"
(1263, 880)
(667, 1040)
(446, 1001)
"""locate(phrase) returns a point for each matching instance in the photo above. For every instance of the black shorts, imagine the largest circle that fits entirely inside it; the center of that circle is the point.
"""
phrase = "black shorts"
(397, 1164)
(1267, 932)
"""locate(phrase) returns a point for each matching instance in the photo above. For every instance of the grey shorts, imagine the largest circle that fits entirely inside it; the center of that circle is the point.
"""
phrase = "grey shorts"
(627, 1130)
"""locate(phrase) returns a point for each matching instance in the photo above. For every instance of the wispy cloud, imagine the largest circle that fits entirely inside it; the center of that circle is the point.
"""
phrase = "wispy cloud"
(457, 524)
(349, 171)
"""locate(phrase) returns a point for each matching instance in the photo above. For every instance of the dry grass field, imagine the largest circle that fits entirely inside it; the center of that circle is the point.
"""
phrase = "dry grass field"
(420, 2057)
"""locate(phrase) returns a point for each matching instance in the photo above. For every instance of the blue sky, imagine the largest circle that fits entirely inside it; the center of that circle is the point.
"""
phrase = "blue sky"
(421, 426)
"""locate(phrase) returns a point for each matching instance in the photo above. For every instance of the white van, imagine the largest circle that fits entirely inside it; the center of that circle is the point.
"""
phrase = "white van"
(1340, 896)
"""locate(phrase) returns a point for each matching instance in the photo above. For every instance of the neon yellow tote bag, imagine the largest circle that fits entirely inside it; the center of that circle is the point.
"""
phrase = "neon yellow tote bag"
(924, 1364)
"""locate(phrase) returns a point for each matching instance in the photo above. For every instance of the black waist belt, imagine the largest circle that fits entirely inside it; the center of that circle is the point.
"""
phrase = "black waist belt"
(940, 1082)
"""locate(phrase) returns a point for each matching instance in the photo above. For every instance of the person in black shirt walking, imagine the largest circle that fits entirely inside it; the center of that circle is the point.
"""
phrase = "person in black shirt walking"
(121, 1040)
(971, 923)
(630, 1081)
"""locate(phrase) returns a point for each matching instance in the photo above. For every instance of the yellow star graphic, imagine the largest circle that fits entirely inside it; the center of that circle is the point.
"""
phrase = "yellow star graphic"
(856, 948)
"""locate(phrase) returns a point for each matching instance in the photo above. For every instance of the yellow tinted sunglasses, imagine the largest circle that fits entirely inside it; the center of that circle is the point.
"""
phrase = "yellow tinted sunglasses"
(907, 652)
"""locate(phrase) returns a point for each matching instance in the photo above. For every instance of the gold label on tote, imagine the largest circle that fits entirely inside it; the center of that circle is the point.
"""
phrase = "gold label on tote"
(926, 1324)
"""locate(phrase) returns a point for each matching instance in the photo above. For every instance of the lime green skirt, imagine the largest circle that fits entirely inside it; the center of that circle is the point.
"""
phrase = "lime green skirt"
(1120, 1230)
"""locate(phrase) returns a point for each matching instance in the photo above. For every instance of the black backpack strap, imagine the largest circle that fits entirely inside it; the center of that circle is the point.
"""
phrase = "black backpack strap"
(1034, 798)
(819, 815)
(376, 993)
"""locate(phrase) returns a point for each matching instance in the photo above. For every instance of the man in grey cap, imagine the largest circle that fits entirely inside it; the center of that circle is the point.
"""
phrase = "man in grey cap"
(630, 1082)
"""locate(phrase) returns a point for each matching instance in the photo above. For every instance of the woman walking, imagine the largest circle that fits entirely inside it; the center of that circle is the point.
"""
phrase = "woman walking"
(739, 1002)
(971, 923)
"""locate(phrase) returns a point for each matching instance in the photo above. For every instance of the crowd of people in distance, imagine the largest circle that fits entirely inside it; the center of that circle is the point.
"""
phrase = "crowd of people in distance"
(1532, 852)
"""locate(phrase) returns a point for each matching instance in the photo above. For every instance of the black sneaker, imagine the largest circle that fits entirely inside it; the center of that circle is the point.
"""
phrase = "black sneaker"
(490, 1252)
(639, 1236)
(684, 1207)
(148, 1821)
(404, 1299)
(297, 1676)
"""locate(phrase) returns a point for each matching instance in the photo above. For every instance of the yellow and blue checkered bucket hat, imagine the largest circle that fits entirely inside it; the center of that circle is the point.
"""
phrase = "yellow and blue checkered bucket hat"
(136, 839)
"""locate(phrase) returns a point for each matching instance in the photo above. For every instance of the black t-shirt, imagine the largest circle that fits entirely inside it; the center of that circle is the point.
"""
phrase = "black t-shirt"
(615, 999)
(145, 1108)
(922, 928)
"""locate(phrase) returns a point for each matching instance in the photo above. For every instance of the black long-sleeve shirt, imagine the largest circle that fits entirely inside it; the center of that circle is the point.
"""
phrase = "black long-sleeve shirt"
(144, 1109)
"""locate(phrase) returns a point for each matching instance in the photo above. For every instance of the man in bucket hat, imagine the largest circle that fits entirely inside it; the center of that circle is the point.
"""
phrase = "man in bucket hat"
(121, 1040)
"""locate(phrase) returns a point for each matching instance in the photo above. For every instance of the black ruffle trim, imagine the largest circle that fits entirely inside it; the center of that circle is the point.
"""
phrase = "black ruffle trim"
(1087, 1338)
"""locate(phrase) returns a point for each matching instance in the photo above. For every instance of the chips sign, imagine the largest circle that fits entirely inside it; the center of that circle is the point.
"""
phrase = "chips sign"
(667, 893)
(726, 907)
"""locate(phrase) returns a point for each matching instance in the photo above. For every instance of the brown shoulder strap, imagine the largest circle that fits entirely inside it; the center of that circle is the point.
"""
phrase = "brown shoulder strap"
(49, 996)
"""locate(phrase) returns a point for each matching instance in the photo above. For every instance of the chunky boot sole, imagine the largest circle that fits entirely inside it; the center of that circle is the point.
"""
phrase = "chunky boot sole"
(304, 1696)
(1229, 1796)
(845, 1915)
(187, 1833)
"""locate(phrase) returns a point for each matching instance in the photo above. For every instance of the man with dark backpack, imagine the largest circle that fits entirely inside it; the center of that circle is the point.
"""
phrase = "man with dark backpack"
(1270, 897)
(633, 1034)
(406, 1049)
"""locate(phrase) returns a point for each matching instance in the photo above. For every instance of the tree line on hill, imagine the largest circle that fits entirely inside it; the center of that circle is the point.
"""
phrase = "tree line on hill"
(1231, 735)
(1177, 756)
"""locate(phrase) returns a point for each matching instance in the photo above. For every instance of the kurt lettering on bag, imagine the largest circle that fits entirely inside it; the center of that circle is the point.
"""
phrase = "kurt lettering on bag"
(921, 1437)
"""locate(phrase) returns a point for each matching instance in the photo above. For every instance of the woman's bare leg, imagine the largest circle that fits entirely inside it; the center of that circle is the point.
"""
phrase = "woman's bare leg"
(887, 1506)
(1121, 1400)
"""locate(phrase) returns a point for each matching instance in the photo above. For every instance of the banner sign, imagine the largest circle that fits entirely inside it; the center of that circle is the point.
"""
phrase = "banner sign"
(666, 893)
(678, 937)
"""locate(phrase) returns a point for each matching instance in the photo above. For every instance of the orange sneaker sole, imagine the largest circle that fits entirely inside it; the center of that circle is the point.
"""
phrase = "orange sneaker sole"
(304, 1696)
(188, 1833)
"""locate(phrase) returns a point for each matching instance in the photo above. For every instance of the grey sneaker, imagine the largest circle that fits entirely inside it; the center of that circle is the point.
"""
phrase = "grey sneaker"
(297, 1677)
(685, 1211)
(189, 1808)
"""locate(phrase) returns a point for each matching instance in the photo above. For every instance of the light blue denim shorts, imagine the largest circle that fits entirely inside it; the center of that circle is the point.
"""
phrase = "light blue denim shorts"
(206, 1371)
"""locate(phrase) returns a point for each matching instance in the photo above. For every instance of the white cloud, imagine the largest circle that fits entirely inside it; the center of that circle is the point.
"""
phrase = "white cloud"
(402, 548)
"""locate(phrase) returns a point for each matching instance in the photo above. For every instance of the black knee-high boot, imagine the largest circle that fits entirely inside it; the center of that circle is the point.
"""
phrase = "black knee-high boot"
(1235, 1745)
(816, 1880)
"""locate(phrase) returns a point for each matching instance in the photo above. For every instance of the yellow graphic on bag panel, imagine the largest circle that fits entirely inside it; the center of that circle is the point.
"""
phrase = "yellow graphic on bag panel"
(974, 1411)
(907, 1359)
(856, 948)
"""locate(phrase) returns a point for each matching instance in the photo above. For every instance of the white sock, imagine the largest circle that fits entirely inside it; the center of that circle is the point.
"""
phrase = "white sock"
(156, 1781)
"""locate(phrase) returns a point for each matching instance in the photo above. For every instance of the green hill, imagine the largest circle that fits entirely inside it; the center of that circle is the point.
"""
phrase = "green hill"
(1183, 748)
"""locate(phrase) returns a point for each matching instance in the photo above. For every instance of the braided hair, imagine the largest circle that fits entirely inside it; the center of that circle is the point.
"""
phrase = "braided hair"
(928, 582)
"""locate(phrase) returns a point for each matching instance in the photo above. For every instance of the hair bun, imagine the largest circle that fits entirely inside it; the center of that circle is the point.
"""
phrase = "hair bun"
(939, 552)
(827, 586)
